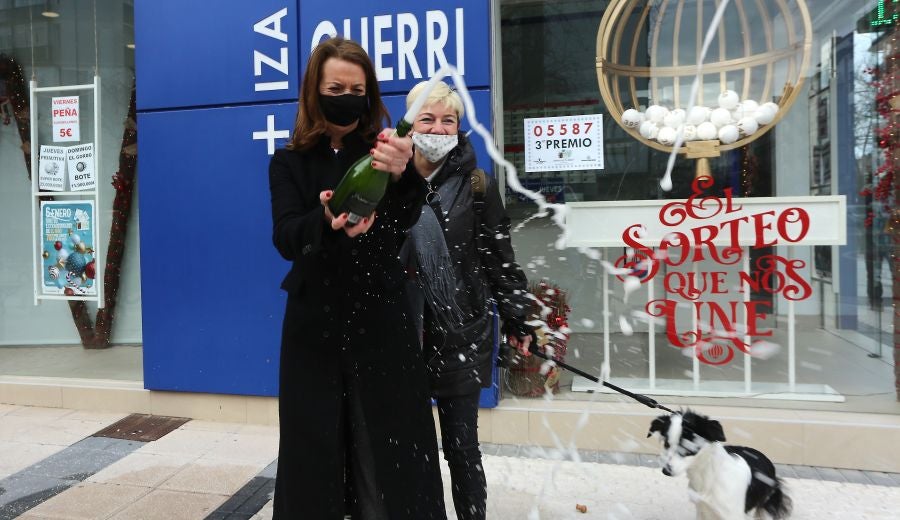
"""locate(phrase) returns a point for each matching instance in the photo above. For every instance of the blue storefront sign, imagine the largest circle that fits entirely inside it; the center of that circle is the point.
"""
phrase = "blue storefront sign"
(217, 87)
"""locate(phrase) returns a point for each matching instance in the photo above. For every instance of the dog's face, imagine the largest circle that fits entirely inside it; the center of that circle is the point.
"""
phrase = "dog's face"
(682, 436)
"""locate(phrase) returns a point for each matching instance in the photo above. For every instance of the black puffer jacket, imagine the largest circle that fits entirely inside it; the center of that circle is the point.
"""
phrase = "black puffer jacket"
(459, 361)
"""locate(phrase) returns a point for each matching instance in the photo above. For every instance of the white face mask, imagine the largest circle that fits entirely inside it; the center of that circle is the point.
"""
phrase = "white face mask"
(435, 146)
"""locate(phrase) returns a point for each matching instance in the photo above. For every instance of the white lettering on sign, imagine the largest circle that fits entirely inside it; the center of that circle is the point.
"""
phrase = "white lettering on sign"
(404, 30)
(270, 134)
(270, 26)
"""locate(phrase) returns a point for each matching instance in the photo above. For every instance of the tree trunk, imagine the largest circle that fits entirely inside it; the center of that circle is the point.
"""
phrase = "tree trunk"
(97, 335)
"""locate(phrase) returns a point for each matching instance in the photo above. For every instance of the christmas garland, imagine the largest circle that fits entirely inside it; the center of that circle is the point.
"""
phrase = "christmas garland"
(93, 335)
(882, 189)
(17, 95)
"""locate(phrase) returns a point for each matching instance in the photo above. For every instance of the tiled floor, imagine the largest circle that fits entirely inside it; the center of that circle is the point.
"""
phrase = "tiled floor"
(226, 471)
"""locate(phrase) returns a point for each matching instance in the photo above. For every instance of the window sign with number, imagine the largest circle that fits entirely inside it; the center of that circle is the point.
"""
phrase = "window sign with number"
(564, 143)
(64, 110)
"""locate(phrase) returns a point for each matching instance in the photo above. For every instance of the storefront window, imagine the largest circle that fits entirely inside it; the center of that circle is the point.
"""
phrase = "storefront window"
(63, 43)
(831, 76)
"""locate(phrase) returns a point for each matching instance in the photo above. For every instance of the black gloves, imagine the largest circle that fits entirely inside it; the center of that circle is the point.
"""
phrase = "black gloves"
(518, 329)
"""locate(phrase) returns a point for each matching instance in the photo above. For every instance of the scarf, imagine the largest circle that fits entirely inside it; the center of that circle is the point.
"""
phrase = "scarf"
(436, 275)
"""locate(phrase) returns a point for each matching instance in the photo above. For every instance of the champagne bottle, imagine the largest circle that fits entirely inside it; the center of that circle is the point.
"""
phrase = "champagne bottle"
(362, 187)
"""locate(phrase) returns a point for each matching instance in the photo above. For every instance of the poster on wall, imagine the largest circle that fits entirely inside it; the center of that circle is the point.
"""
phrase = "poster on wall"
(564, 143)
(67, 239)
(64, 112)
(52, 168)
(80, 162)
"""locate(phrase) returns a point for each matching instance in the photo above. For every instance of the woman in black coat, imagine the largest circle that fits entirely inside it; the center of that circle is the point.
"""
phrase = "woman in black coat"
(353, 402)
(461, 267)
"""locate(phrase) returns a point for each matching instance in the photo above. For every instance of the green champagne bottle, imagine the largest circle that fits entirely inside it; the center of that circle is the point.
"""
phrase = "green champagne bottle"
(362, 187)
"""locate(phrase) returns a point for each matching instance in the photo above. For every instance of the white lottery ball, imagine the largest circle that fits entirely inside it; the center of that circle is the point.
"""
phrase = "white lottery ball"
(656, 113)
(720, 117)
(749, 107)
(666, 136)
(698, 115)
(764, 115)
(729, 134)
(774, 106)
(632, 118)
(675, 118)
(689, 132)
(747, 126)
(744, 109)
(729, 100)
(648, 130)
(707, 131)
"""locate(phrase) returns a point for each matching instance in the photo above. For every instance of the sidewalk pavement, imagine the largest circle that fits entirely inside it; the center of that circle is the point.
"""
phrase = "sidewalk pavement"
(52, 467)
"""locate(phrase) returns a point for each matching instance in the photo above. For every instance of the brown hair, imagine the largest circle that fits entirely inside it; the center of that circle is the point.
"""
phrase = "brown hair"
(310, 124)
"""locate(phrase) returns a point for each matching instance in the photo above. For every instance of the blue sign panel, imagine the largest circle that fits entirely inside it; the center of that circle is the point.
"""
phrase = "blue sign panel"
(407, 41)
(202, 53)
(210, 276)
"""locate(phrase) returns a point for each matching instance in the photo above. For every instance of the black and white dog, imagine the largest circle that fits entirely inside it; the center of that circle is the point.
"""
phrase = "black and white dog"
(727, 482)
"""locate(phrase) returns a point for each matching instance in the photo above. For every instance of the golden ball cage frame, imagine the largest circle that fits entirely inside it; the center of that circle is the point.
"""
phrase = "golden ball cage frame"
(782, 53)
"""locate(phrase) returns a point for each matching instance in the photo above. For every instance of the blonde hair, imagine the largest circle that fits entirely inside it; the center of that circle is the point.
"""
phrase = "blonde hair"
(441, 93)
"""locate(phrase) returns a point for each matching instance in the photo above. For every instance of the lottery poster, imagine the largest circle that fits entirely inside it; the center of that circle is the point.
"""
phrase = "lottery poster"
(68, 235)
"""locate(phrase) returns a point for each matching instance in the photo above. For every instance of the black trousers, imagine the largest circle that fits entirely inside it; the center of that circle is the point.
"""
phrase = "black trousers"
(459, 436)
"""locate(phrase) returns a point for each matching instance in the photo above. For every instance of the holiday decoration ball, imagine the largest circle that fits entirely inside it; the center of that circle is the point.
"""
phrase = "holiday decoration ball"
(57, 245)
(76, 263)
(54, 272)
(91, 269)
(45, 255)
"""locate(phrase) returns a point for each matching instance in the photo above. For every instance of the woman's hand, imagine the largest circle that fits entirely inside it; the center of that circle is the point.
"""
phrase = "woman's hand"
(341, 221)
(520, 335)
(391, 153)
(521, 344)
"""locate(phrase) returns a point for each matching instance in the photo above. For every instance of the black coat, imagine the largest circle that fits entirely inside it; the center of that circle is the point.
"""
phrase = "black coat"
(486, 271)
(348, 326)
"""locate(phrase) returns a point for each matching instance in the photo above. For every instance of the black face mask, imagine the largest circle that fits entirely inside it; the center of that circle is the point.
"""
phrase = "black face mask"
(343, 110)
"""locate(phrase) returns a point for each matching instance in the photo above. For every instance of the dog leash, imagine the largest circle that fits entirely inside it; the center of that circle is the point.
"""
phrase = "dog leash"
(643, 399)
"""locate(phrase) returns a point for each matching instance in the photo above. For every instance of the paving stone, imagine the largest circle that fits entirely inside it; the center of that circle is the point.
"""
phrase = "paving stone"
(785, 471)
(258, 500)
(73, 464)
(648, 461)
(589, 455)
(830, 474)
(807, 472)
(270, 471)
(488, 448)
(855, 476)
(22, 492)
(880, 479)
(508, 450)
